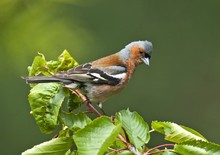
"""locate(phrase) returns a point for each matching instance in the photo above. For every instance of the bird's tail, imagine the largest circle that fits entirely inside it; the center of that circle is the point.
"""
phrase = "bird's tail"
(44, 79)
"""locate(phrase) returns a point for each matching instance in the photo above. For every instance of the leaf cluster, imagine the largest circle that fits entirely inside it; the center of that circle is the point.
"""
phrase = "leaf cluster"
(126, 133)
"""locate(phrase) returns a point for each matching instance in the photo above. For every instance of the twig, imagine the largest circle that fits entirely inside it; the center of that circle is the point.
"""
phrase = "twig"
(156, 147)
(117, 151)
(129, 146)
(151, 130)
(86, 101)
(159, 151)
(144, 148)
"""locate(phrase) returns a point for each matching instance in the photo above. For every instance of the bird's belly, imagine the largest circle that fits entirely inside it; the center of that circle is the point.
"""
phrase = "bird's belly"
(100, 93)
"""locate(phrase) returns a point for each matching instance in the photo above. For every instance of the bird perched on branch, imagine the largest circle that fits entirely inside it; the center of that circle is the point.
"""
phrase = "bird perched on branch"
(102, 78)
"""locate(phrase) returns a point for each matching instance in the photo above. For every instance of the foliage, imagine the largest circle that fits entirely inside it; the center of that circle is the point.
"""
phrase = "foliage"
(124, 134)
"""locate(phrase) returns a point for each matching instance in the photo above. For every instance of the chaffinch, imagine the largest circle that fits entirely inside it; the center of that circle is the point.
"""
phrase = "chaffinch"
(102, 78)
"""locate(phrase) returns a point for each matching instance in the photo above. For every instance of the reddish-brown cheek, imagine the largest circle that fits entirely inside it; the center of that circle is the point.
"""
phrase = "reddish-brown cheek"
(135, 55)
(134, 51)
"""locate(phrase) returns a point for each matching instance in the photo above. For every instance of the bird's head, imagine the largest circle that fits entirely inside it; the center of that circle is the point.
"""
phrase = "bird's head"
(138, 52)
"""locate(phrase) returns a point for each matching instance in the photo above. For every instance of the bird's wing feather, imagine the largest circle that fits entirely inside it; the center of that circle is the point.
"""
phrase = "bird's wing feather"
(101, 75)
(111, 74)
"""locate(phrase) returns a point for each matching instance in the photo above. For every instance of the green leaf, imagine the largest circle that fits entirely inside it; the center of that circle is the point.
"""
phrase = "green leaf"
(74, 121)
(193, 132)
(38, 65)
(72, 153)
(45, 100)
(135, 126)
(55, 146)
(168, 152)
(73, 101)
(65, 61)
(52, 66)
(176, 133)
(197, 148)
(96, 137)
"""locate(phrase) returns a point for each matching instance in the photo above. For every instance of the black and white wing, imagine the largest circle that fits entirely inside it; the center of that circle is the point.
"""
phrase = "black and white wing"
(108, 75)
(111, 75)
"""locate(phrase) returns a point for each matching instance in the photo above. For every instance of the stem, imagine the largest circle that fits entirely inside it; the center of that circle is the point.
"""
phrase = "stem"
(123, 139)
(144, 148)
(159, 151)
(129, 146)
(117, 151)
(86, 101)
(151, 130)
(156, 147)
(91, 108)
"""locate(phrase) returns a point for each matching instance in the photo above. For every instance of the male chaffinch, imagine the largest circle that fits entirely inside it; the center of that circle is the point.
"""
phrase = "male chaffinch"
(102, 78)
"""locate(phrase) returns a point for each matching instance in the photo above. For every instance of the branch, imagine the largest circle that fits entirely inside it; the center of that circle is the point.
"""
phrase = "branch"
(156, 147)
(129, 146)
(86, 101)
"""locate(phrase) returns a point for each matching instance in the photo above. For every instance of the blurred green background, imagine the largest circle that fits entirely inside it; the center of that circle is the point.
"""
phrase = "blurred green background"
(182, 83)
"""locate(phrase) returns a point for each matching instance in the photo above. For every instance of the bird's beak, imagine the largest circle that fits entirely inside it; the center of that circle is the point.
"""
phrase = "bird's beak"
(146, 61)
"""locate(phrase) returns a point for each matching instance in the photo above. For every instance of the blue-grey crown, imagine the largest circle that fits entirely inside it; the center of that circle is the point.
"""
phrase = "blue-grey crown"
(146, 45)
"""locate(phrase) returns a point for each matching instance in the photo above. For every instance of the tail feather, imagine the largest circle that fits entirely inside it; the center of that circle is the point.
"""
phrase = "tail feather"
(45, 79)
